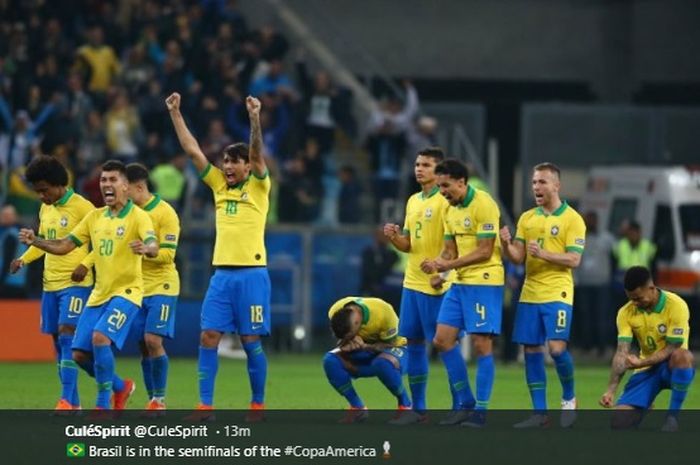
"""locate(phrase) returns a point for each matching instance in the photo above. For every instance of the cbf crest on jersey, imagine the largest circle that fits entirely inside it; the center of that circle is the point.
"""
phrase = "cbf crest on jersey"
(662, 328)
(428, 212)
(244, 196)
(467, 222)
(120, 231)
(555, 230)
(64, 221)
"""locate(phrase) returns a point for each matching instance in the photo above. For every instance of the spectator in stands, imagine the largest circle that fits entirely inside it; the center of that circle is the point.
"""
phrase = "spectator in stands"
(300, 194)
(11, 285)
(387, 145)
(325, 107)
(593, 294)
(169, 180)
(123, 128)
(349, 198)
(631, 250)
(274, 81)
(274, 120)
(377, 262)
(99, 62)
(92, 147)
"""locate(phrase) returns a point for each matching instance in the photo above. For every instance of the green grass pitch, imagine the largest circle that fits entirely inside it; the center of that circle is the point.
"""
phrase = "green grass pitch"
(295, 382)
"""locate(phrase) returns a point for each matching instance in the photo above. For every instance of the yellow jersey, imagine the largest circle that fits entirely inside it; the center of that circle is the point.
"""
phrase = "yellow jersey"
(667, 322)
(379, 320)
(55, 222)
(118, 269)
(424, 225)
(160, 277)
(562, 231)
(104, 65)
(476, 218)
(241, 212)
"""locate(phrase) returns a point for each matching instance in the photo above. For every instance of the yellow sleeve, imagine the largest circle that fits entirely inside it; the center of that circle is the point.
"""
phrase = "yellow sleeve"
(31, 254)
(487, 220)
(89, 260)
(624, 330)
(390, 328)
(520, 230)
(146, 231)
(169, 235)
(213, 177)
(81, 233)
(576, 235)
(449, 232)
(678, 324)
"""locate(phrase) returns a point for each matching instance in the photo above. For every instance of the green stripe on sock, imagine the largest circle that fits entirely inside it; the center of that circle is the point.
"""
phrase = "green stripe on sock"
(536, 386)
(680, 387)
(344, 388)
(202, 375)
(159, 393)
(418, 379)
(68, 364)
(482, 403)
(104, 386)
(257, 351)
(567, 378)
(459, 385)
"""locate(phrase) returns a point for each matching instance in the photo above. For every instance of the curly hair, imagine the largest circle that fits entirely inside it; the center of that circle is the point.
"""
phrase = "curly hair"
(47, 168)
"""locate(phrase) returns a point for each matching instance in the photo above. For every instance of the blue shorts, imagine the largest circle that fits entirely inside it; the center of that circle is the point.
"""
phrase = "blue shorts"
(157, 316)
(419, 313)
(475, 309)
(62, 307)
(643, 387)
(238, 301)
(366, 357)
(536, 323)
(113, 319)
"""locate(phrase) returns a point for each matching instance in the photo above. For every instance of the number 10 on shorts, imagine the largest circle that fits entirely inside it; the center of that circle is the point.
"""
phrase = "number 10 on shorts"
(256, 314)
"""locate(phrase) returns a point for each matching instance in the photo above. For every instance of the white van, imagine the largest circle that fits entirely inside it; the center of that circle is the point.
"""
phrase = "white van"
(665, 201)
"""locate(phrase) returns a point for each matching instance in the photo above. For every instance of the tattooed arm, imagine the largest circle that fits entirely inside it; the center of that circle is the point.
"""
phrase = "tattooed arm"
(657, 357)
(255, 150)
(439, 264)
(617, 371)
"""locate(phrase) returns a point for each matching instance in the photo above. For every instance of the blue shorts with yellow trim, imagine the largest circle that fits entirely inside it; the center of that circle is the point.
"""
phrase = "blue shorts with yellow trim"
(419, 313)
(113, 319)
(238, 301)
(473, 308)
(537, 323)
(157, 316)
(62, 307)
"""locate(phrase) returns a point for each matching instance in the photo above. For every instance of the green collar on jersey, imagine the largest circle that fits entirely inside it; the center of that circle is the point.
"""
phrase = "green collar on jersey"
(659, 307)
(365, 310)
(123, 212)
(151, 204)
(471, 192)
(63, 200)
(432, 192)
(557, 212)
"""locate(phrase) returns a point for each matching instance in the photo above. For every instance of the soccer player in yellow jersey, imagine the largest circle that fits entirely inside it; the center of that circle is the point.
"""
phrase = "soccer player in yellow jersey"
(421, 238)
(238, 298)
(474, 302)
(550, 239)
(161, 286)
(121, 233)
(63, 299)
(659, 321)
(368, 345)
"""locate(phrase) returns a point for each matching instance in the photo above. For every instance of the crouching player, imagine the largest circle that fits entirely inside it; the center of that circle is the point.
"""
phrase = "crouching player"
(368, 345)
(659, 321)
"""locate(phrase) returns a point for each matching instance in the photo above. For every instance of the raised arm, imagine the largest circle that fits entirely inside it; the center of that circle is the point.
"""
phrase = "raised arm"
(257, 161)
(402, 242)
(55, 246)
(187, 141)
(513, 250)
